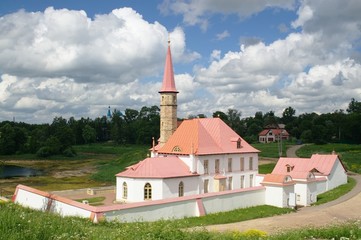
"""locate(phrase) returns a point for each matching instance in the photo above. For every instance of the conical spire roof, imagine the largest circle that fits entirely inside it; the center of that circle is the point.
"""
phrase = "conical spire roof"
(168, 77)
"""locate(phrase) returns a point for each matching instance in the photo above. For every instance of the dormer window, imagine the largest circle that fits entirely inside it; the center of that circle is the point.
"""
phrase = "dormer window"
(289, 168)
(237, 142)
(176, 149)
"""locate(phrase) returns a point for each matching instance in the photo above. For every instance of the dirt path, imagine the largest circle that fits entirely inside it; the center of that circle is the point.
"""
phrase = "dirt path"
(345, 208)
(291, 152)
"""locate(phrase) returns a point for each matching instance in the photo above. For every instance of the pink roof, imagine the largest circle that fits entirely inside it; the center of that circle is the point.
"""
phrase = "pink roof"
(168, 77)
(280, 179)
(318, 162)
(158, 167)
(204, 136)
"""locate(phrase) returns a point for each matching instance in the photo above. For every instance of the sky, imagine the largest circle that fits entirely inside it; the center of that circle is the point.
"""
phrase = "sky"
(75, 58)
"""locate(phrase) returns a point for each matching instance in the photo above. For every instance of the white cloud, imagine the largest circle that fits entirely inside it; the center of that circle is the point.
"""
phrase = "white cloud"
(222, 35)
(311, 70)
(196, 12)
(61, 62)
(70, 65)
(116, 47)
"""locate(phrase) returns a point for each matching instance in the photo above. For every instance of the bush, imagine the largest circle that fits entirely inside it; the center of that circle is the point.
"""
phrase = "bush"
(69, 152)
(44, 152)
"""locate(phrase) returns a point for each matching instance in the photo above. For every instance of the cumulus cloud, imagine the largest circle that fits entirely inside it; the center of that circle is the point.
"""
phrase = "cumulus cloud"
(196, 12)
(222, 35)
(71, 65)
(61, 62)
(121, 44)
(310, 70)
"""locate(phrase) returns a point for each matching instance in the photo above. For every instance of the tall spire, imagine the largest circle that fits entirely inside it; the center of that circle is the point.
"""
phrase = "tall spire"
(168, 102)
(168, 77)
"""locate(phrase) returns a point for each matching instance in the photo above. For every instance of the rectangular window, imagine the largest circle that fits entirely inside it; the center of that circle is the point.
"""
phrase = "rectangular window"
(241, 162)
(250, 163)
(205, 185)
(229, 164)
(251, 180)
(205, 166)
(230, 183)
(216, 166)
(242, 181)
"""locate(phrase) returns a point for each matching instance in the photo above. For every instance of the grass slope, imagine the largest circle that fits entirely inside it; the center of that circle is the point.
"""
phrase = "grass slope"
(350, 154)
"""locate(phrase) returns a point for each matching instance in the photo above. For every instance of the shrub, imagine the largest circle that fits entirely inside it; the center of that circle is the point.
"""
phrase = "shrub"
(44, 152)
(69, 152)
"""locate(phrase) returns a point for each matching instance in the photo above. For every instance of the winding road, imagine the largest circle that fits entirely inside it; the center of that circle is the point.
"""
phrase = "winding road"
(345, 208)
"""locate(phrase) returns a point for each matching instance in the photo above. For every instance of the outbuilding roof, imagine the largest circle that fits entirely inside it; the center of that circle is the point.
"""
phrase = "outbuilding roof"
(204, 136)
(320, 164)
(158, 167)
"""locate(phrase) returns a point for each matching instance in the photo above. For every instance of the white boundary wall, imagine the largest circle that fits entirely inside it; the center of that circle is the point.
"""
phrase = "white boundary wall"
(175, 208)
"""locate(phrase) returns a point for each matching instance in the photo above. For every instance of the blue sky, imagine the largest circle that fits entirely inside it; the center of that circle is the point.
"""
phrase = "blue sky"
(76, 58)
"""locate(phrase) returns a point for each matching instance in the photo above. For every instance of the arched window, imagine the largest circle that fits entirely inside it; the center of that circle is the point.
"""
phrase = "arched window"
(147, 191)
(181, 189)
(125, 190)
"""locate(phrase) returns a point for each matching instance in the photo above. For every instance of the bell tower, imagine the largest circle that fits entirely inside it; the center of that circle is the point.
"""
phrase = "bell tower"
(168, 101)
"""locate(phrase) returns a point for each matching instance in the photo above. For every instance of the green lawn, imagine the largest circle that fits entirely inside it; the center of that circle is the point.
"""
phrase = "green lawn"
(94, 201)
(350, 154)
(23, 223)
(266, 168)
(336, 192)
(271, 150)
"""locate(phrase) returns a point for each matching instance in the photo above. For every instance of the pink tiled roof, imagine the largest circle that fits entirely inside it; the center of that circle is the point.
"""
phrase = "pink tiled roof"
(319, 162)
(168, 84)
(158, 167)
(277, 179)
(205, 136)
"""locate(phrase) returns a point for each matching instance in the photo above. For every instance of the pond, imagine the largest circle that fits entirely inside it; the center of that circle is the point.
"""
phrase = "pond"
(10, 171)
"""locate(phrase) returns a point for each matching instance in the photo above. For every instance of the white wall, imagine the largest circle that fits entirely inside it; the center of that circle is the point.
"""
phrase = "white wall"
(234, 200)
(321, 185)
(66, 209)
(171, 185)
(302, 193)
(236, 172)
(154, 212)
(32, 200)
(174, 208)
(43, 201)
(337, 177)
(277, 195)
(136, 189)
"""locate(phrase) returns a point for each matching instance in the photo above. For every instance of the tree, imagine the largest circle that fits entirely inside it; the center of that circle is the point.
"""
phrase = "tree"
(89, 134)
(234, 118)
(117, 131)
(7, 139)
(288, 115)
(270, 119)
(60, 129)
(221, 115)
(354, 106)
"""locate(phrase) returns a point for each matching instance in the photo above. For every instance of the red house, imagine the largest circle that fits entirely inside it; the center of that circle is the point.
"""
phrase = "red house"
(273, 134)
